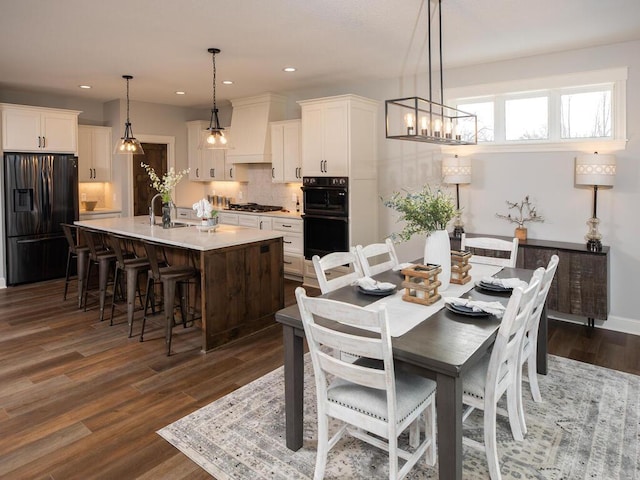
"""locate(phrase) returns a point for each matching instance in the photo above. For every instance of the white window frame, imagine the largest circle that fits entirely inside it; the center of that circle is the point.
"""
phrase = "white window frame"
(552, 87)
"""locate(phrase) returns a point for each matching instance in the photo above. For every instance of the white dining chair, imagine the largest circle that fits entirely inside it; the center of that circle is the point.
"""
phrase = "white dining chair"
(373, 402)
(494, 245)
(328, 279)
(497, 373)
(376, 258)
(530, 338)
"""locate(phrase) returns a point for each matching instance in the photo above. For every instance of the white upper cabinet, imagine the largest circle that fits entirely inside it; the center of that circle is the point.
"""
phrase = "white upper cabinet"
(94, 154)
(209, 165)
(33, 129)
(286, 166)
(339, 137)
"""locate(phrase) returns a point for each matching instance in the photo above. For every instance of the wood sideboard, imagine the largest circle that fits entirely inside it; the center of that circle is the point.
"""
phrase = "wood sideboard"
(581, 283)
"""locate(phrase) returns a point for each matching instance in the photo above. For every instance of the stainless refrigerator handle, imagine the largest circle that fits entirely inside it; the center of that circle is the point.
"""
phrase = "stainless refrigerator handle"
(37, 240)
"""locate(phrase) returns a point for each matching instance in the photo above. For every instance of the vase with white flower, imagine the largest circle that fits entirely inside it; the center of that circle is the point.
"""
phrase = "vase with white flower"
(164, 186)
(427, 212)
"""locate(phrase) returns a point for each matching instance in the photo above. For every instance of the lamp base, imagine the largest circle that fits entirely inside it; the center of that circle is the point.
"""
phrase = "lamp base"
(594, 245)
(458, 231)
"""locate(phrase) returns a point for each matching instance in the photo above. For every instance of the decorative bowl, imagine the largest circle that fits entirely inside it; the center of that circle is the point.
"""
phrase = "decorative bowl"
(89, 205)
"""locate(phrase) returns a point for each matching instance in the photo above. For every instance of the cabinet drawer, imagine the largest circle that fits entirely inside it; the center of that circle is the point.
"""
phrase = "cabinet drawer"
(252, 221)
(185, 213)
(293, 243)
(287, 225)
(293, 264)
(228, 218)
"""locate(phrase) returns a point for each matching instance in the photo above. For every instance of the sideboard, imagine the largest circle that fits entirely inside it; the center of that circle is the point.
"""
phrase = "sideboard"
(581, 283)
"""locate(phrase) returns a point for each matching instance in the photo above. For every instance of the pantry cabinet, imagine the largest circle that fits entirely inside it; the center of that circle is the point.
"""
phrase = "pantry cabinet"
(286, 166)
(339, 137)
(94, 154)
(36, 129)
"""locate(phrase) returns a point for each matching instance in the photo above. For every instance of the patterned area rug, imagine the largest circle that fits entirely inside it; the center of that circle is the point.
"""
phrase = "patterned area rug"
(587, 428)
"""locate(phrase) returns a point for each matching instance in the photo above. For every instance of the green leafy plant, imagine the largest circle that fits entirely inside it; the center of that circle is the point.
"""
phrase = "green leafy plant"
(424, 212)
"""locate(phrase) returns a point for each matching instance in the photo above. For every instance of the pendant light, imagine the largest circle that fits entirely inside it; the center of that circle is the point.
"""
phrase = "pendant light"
(215, 136)
(424, 120)
(128, 143)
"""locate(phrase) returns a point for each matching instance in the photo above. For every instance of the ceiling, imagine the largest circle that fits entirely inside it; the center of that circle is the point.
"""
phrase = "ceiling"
(54, 47)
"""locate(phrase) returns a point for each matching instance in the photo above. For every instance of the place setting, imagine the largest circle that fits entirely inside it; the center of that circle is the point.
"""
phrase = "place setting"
(499, 285)
(473, 308)
(370, 286)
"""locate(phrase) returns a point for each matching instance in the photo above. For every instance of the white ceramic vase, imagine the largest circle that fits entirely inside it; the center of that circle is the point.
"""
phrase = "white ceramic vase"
(437, 249)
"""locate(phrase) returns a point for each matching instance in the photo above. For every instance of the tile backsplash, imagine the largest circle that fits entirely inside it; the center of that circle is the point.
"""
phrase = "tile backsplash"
(260, 189)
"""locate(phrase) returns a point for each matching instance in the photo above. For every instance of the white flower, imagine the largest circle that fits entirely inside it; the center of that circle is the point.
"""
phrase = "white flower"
(169, 180)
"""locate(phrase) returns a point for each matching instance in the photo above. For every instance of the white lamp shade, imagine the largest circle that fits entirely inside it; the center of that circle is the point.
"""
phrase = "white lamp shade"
(456, 170)
(596, 169)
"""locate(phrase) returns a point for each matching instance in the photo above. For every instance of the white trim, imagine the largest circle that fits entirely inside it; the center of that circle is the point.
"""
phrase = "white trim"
(170, 142)
(497, 92)
(613, 323)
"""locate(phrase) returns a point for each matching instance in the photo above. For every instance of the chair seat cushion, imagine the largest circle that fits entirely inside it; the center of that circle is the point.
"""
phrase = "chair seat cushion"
(474, 381)
(412, 391)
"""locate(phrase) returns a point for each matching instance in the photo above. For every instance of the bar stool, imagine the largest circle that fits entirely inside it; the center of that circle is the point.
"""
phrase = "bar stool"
(104, 258)
(132, 267)
(80, 253)
(173, 278)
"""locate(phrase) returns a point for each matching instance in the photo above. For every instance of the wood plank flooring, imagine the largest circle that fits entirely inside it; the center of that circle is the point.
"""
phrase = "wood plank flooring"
(78, 399)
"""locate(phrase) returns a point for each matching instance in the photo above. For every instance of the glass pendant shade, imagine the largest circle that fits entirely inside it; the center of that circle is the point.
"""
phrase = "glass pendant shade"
(128, 144)
(215, 137)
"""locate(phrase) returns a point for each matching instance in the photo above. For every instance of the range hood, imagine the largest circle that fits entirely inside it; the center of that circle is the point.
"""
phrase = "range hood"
(250, 132)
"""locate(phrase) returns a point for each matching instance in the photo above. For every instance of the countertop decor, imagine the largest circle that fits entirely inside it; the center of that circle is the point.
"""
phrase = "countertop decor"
(165, 185)
(525, 212)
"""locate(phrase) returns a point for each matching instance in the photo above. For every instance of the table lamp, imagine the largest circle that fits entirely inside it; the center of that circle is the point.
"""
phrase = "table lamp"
(596, 171)
(456, 170)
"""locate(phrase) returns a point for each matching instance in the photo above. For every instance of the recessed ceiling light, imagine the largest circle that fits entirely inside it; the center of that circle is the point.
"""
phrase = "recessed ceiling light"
(84, 86)
(179, 92)
(227, 82)
(289, 69)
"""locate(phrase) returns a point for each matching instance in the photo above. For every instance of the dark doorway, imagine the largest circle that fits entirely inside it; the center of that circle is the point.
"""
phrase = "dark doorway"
(155, 155)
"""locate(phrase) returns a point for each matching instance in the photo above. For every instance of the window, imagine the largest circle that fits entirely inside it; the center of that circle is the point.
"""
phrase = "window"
(568, 112)
(526, 118)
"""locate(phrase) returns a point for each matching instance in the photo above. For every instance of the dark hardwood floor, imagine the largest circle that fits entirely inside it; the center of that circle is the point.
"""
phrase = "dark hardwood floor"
(79, 400)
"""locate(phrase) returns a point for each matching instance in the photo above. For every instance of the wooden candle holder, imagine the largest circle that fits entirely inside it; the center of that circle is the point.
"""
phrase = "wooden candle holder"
(421, 284)
(460, 267)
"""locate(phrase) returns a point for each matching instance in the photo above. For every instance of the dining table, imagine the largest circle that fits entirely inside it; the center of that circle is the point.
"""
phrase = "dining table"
(442, 346)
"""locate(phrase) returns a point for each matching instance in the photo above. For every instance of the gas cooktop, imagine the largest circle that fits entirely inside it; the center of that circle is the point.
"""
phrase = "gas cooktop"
(253, 207)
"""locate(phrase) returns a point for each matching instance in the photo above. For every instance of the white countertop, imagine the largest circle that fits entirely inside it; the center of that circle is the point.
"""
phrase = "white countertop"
(185, 237)
(99, 211)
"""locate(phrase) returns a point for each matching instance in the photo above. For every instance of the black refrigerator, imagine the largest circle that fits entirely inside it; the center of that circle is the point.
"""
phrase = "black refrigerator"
(40, 193)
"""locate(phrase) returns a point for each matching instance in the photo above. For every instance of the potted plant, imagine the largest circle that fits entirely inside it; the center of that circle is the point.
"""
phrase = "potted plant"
(427, 212)
(164, 186)
(525, 212)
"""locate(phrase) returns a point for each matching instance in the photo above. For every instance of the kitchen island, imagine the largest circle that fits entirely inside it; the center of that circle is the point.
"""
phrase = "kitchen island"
(241, 271)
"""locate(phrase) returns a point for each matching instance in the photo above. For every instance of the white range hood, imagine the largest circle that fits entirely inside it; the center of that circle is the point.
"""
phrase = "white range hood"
(250, 132)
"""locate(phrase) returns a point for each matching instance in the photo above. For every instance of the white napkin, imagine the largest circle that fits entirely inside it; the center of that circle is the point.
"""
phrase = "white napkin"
(368, 283)
(203, 208)
(504, 282)
(494, 308)
(400, 266)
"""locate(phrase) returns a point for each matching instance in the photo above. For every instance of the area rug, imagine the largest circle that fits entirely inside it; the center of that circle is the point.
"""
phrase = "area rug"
(587, 427)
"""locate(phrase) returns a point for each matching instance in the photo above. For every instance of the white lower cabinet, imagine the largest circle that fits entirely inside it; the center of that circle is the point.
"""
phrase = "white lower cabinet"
(293, 245)
(228, 218)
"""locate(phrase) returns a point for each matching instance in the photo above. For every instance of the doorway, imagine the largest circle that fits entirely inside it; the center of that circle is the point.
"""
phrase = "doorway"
(155, 155)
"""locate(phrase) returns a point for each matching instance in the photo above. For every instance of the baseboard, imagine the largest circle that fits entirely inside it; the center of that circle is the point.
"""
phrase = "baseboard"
(613, 323)
(3, 282)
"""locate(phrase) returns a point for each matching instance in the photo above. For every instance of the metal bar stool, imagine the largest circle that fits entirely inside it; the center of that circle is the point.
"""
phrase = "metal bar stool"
(174, 279)
(104, 258)
(81, 254)
(132, 267)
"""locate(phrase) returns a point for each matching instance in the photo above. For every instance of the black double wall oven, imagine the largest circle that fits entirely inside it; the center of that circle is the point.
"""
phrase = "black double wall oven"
(326, 215)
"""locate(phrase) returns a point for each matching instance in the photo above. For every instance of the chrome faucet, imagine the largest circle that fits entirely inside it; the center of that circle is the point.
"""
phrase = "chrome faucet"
(152, 217)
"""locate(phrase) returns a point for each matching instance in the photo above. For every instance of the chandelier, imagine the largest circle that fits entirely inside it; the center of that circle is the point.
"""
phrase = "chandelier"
(425, 120)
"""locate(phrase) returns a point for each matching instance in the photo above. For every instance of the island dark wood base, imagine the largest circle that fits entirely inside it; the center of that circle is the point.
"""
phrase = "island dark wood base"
(242, 287)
